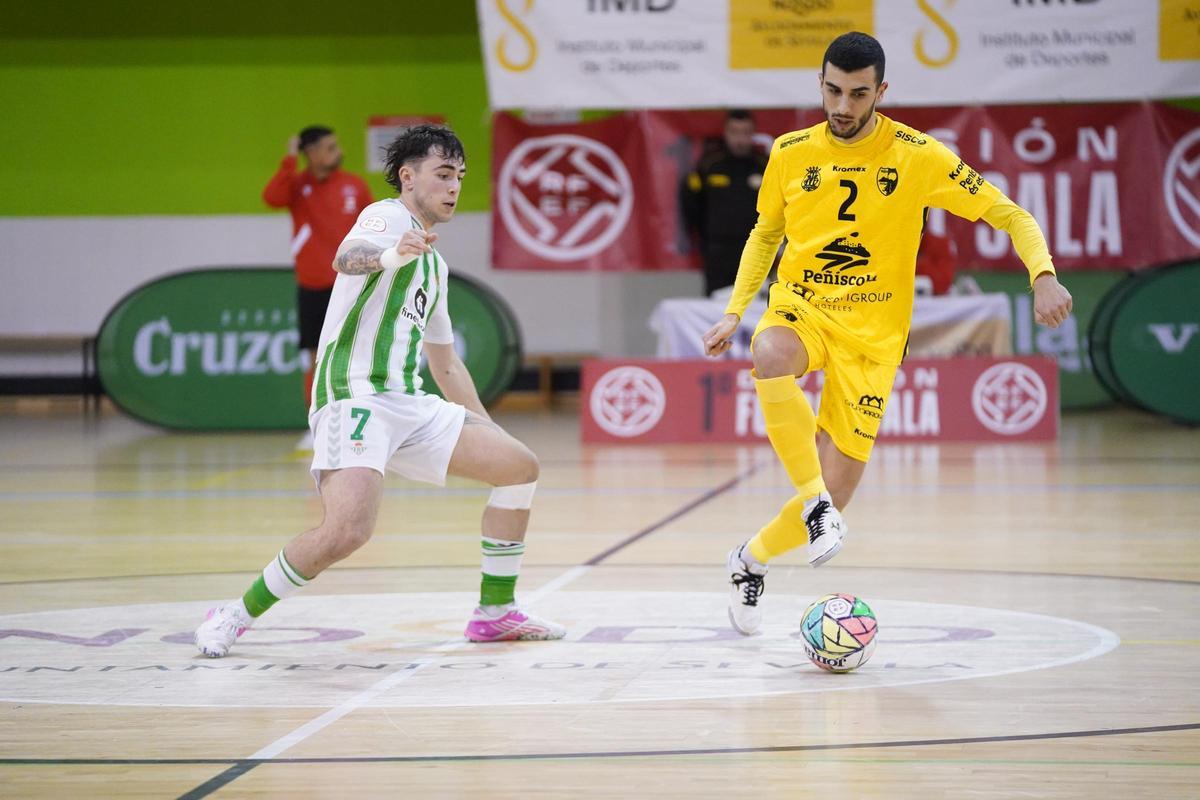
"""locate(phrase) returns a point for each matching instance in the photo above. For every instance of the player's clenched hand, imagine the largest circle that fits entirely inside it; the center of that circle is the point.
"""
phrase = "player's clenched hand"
(415, 243)
(717, 340)
(1051, 301)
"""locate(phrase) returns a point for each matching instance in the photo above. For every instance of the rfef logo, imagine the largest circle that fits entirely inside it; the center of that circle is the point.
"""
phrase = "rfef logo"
(1009, 398)
(1181, 186)
(564, 197)
(628, 401)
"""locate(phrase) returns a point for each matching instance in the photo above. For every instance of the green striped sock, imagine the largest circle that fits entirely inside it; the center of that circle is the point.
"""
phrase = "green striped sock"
(501, 565)
(277, 581)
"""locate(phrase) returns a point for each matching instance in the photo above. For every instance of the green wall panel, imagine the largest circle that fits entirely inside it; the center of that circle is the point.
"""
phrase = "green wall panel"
(143, 107)
(134, 113)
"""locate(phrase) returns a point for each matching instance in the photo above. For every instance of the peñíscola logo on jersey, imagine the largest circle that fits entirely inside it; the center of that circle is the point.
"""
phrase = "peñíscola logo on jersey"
(564, 197)
(1009, 398)
(628, 401)
(1181, 186)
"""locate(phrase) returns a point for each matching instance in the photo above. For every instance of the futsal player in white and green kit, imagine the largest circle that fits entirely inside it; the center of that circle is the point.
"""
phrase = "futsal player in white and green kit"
(369, 414)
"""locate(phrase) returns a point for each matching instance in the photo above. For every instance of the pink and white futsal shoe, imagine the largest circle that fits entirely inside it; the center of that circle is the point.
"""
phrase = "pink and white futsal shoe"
(220, 629)
(512, 624)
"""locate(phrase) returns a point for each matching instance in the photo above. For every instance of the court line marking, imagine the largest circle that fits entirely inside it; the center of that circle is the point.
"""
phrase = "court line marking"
(656, 565)
(707, 751)
(892, 490)
(364, 697)
(313, 726)
(626, 458)
(1106, 641)
(680, 512)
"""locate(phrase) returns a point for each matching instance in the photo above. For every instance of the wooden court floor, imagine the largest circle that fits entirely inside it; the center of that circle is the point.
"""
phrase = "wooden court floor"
(1038, 609)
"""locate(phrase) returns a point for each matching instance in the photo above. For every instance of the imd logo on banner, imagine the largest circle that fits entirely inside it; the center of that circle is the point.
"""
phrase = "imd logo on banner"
(516, 48)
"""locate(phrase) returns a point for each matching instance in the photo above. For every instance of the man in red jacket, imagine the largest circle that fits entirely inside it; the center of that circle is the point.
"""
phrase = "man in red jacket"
(324, 202)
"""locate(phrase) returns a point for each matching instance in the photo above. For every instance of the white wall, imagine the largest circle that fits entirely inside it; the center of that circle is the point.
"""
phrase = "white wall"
(61, 275)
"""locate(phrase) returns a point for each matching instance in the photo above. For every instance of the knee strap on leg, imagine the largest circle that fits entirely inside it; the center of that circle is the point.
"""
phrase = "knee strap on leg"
(518, 497)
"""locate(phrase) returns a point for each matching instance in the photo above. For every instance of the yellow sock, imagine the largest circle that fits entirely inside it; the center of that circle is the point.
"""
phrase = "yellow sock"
(792, 429)
(785, 532)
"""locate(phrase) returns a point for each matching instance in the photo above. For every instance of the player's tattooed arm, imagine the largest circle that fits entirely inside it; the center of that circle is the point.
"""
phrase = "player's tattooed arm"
(358, 258)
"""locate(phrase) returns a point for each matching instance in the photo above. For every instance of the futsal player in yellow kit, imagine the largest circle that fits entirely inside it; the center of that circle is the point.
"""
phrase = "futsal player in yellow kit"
(850, 195)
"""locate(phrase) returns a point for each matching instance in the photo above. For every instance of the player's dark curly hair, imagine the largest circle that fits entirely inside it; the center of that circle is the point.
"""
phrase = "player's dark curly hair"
(853, 51)
(415, 143)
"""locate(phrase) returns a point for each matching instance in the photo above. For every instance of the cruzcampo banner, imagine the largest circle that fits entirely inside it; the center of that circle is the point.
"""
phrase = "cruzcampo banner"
(210, 349)
(217, 349)
(1068, 342)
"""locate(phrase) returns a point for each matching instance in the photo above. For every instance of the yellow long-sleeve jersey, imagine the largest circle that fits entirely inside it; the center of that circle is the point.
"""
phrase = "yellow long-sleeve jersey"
(853, 215)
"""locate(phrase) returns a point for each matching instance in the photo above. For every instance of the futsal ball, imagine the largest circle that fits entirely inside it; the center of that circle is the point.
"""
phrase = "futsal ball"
(839, 632)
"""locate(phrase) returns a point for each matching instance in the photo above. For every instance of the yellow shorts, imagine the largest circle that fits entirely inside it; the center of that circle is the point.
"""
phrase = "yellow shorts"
(856, 388)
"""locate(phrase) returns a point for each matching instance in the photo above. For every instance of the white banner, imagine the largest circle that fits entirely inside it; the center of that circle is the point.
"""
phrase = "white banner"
(942, 326)
(766, 53)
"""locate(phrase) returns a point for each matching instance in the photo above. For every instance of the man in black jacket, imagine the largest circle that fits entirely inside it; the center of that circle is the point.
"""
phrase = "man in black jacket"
(719, 199)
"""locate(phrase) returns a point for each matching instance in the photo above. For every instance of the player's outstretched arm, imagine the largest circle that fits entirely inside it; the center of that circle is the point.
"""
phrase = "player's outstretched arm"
(359, 257)
(1051, 301)
(451, 376)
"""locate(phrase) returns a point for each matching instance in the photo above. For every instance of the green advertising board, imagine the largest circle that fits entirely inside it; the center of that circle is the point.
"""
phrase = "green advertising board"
(1068, 342)
(1145, 341)
(216, 349)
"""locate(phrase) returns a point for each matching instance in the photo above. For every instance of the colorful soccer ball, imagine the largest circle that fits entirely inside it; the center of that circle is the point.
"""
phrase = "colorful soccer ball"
(838, 632)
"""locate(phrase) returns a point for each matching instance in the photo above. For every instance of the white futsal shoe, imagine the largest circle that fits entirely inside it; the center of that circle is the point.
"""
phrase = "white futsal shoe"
(221, 628)
(745, 587)
(826, 529)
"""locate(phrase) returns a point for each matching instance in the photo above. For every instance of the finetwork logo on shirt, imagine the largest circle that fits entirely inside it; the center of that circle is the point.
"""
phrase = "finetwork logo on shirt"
(420, 301)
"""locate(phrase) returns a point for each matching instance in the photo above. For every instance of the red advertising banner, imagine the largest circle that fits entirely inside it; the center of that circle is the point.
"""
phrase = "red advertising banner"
(563, 196)
(1113, 185)
(935, 400)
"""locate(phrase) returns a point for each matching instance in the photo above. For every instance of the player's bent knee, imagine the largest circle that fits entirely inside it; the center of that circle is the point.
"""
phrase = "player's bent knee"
(773, 359)
(515, 497)
(533, 468)
(523, 467)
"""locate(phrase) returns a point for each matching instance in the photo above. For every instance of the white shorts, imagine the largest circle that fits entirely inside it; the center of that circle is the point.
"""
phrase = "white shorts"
(412, 435)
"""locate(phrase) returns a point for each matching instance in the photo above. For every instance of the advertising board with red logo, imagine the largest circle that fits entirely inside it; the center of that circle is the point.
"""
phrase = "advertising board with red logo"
(935, 400)
(1113, 185)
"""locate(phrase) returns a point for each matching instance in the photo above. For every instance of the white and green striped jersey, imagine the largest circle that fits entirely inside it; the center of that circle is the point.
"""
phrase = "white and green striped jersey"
(376, 324)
